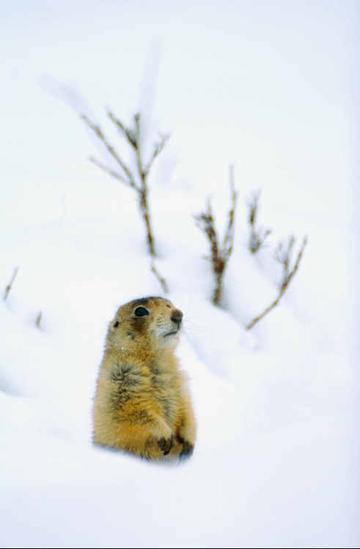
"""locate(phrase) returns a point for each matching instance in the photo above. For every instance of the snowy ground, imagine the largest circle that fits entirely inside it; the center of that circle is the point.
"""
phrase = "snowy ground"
(275, 462)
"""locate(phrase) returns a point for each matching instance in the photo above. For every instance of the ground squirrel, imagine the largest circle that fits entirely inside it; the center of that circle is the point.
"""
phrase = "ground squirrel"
(142, 404)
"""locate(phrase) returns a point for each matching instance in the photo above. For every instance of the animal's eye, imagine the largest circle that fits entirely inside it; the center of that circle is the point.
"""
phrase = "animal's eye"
(116, 323)
(141, 311)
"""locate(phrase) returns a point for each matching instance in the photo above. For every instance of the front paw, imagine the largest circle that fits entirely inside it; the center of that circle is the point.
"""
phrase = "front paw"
(165, 445)
(187, 448)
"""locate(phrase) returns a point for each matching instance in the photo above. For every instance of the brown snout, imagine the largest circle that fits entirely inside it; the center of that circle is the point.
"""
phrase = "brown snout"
(176, 317)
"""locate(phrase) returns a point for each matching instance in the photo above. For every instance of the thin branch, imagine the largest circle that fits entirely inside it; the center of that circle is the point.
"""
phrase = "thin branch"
(205, 221)
(138, 152)
(290, 274)
(284, 285)
(228, 241)
(9, 285)
(145, 212)
(283, 254)
(219, 255)
(158, 148)
(124, 130)
(161, 279)
(144, 191)
(109, 171)
(137, 129)
(100, 135)
(258, 234)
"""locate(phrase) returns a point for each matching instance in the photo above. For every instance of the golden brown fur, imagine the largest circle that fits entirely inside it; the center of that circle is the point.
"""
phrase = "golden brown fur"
(142, 404)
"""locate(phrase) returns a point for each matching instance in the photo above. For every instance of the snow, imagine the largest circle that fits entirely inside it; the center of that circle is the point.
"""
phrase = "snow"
(276, 458)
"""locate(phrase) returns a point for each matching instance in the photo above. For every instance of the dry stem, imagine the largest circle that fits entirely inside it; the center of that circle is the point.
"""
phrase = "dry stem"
(283, 255)
(219, 253)
(138, 180)
(9, 285)
(161, 279)
(258, 234)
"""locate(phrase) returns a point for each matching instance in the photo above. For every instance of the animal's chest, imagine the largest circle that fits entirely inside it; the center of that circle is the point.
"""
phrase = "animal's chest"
(166, 393)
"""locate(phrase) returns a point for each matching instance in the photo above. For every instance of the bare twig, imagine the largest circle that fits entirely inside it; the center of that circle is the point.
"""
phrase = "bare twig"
(138, 178)
(161, 279)
(258, 234)
(111, 172)
(284, 253)
(228, 241)
(157, 150)
(219, 254)
(126, 132)
(144, 190)
(9, 285)
(101, 136)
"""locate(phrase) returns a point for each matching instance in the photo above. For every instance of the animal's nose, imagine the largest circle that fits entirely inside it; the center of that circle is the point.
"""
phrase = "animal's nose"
(176, 316)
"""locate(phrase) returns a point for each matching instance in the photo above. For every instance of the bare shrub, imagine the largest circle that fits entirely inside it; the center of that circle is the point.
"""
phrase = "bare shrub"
(219, 252)
(138, 178)
(284, 255)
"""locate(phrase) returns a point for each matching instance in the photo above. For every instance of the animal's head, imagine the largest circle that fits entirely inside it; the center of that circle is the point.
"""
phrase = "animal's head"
(152, 321)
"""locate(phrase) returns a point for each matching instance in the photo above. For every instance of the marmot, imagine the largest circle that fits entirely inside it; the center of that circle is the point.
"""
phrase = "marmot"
(142, 404)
